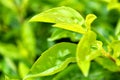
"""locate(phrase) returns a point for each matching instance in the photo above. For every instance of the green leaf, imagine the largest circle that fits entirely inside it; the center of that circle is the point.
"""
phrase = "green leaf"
(28, 39)
(72, 27)
(61, 33)
(88, 49)
(9, 68)
(89, 19)
(115, 45)
(59, 15)
(23, 69)
(9, 50)
(24, 4)
(53, 60)
(116, 48)
(70, 73)
(9, 4)
(7, 78)
(64, 17)
(114, 4)
(117, 30)
(108, 64)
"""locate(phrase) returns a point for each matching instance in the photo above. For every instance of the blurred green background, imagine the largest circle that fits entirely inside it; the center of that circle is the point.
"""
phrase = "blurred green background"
(21, 42)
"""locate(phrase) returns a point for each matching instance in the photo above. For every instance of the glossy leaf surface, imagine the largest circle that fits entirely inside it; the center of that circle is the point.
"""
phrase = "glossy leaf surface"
(59, 15)
(53, 60)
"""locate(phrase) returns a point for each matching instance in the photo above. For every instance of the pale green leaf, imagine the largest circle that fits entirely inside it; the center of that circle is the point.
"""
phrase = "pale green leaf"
(23, 69)
(117, 60)
(114, 5)
(89, 19)
(71, 27)
(59, 15)
(53, 60)
(88, 49)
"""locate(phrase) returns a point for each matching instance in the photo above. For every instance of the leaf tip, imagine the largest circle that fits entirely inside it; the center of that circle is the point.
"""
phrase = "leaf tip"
(31, 20)
(84, 67)
(35, 18)
(89, 19)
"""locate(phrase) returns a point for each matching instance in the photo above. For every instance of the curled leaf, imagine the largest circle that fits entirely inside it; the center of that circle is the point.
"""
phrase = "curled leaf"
(89, 19)
(88, 49)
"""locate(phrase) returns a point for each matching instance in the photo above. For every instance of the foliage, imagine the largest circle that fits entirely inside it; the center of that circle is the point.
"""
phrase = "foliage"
(79, 48)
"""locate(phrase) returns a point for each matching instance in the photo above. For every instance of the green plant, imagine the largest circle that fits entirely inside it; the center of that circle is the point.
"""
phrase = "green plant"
(66, 55)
